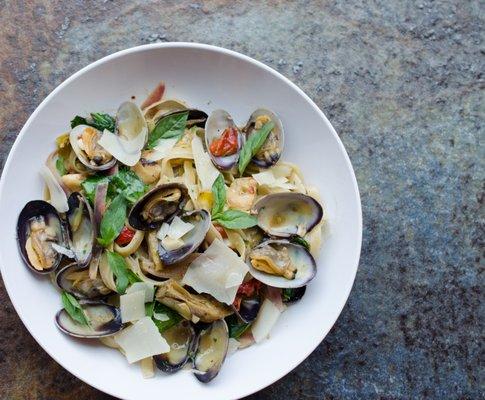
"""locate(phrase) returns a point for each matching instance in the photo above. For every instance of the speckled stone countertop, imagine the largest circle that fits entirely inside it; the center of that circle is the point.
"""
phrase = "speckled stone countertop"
(401, 82)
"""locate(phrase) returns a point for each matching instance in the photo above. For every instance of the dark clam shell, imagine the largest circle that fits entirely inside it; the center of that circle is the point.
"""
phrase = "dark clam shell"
(38, 209)
(82, 240)
(87, 289)
(211, 351)
(288, 214)
(165, 210)
(105, 320)
(192, 240)
(249, 308)
(293, 295)
(183, 342)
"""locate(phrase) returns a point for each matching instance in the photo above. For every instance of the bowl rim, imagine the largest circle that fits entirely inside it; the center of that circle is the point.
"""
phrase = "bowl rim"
(293, 363)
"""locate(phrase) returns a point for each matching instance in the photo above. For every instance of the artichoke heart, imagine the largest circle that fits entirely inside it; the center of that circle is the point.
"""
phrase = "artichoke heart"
(193, 307)
(274, 261)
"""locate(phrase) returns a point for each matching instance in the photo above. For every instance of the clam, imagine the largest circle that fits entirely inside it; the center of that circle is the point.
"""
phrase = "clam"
(281, 264)
(211, 352)
(75, 279)
(271, 150)
(104, 320)
(39, 230)
(183, 342)
(287, 214)
(200, 219)
(81, 228)
(84, 142)
(157, 206)
(293, 295)
(131, 124)
(221, 125)
(249, 308)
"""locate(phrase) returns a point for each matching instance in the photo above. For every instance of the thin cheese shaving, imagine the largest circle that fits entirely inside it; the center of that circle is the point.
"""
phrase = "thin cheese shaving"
(267, 178)
(132, 306)
(162, 149)
(144, 287)
(266, 319)
(126, 151)
(218, 272)
(57, 196)
(141, 340)
(206, 171)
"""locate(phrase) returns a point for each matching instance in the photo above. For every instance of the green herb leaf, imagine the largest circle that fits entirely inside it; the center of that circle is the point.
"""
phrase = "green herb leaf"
(302, 242)
(219, 195)
(236, 326)
(60, 166)
(171, 126)
(149, 309)
(127, 183)
(253, 144)
(113, 221)
(173, 317)
(73, 308)
(124, 275)
(99, 121)
(235, 219)
(78, 120)
(102, 121)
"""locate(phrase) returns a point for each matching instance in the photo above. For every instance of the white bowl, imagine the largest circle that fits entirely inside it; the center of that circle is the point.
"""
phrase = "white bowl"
(208, 78)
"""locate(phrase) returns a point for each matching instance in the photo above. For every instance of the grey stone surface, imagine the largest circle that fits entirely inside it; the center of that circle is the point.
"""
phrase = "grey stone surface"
(402, 83)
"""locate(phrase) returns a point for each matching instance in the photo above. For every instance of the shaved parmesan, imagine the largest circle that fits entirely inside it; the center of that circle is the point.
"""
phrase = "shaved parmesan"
(206, 171)
(267, 178)
(179, 228)
(144, 287)
(62, 250)
(132, 306)
(162, 149)
(162, 232)
(57, 196)
(266, 319)
(126, 151)
(218, 272)
(232, 347)
(161, 316)
(170, 244)
(147, 368)
(141, 340)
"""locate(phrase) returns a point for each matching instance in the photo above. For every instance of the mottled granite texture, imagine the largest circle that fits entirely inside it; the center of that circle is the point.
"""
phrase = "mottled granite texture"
(400, 81)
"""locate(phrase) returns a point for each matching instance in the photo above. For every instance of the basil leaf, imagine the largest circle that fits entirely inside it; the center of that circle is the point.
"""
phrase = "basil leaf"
(149, 309)
(99, 121)
(78, 120)
(113, 221)
(173, 317)
(253, 144)
(236, 326)
(171, 126)
(102, 121)
(73, 308)
(127, 183)
(302, 242)
(60, 166)
(219, 195)
(124, 275)
(235, 219)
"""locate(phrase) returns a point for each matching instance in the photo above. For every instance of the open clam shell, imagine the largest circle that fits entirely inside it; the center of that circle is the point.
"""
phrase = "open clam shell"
(38, 228)
(272, 148)
(81, 228)
(104, 320)
(183, 342)
(157, 206)
(211, 351)
(288, 214)
(216, 125)
(191, 240)
(84, 142)
(301, 262)
(75, 280)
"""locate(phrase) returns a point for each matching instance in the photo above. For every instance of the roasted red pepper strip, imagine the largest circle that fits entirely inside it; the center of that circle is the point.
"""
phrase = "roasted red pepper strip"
(125, 236)
(226, 145)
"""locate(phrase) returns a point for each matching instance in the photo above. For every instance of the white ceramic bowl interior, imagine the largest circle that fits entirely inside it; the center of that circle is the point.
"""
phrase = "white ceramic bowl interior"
(208, 78)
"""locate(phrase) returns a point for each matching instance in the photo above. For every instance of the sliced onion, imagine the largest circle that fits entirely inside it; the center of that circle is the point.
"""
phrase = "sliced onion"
(58, 197)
